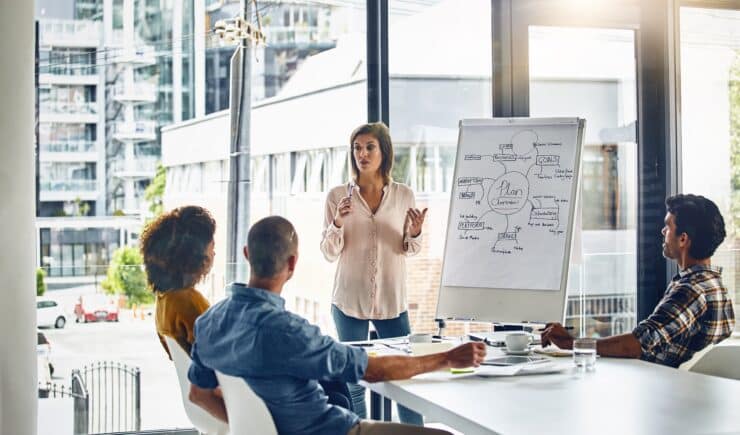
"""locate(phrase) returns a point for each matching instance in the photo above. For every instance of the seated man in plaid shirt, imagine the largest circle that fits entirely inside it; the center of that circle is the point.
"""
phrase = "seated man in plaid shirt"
(696, 309)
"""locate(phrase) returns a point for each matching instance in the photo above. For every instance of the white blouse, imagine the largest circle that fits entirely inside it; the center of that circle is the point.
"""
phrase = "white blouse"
(370, 281)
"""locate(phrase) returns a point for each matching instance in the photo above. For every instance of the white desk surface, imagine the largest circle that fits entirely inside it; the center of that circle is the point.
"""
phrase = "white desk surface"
(621, 397)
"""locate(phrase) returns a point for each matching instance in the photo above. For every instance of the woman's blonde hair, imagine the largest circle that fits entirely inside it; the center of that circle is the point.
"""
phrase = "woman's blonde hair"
(380, 132)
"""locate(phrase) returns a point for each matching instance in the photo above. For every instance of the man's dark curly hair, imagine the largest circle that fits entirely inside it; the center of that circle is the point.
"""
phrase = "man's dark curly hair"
(701, 220)
(174, 248)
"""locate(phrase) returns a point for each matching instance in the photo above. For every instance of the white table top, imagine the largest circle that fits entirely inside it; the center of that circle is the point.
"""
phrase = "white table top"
(621, 397)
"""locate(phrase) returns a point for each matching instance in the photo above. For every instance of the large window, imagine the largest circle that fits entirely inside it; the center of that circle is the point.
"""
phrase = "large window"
(602, 284)
(710, 120)
(439, 72)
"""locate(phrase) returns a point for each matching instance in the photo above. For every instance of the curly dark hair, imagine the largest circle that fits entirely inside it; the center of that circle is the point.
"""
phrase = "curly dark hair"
(701, 220)
(174, 248)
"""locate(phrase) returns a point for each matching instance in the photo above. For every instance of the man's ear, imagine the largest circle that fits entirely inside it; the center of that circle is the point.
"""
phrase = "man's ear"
(684, 240)
(246, 253)
(292, 261)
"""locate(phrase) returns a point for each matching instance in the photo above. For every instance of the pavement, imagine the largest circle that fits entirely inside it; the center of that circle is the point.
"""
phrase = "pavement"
(131, 341)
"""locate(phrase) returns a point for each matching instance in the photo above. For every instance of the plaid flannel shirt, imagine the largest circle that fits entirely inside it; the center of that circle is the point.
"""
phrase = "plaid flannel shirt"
(695, 312)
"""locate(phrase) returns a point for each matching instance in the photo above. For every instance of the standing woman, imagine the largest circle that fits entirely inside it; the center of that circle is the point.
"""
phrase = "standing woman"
(371, 225)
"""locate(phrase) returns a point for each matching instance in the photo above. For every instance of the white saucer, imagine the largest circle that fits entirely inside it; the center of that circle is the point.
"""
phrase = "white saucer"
(518, 352)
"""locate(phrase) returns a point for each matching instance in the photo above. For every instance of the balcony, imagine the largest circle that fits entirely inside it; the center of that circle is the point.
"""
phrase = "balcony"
(139, 131)
(68, 190)
(69, 146)
(69, 33)
(136, 93)
(139, 167)
(68, 111)
(69, 74)
(140, 55)
(303, 36)
(68, 151)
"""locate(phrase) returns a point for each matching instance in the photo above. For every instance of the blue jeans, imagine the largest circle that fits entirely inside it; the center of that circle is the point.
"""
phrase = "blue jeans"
(352, 329)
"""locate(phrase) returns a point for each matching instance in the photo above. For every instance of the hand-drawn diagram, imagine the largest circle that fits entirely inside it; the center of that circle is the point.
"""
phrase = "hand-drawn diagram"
(511, 200)
(506, 191)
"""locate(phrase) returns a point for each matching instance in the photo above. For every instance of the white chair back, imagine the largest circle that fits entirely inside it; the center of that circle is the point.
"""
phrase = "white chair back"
(199, 417)
(721, 360)
(248, 414)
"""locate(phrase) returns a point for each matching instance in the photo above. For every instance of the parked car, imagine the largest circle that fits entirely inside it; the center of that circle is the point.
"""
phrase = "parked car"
(49, 313)
(96, 307)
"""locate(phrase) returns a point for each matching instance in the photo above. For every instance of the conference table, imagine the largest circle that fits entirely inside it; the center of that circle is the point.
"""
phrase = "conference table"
(621, 396)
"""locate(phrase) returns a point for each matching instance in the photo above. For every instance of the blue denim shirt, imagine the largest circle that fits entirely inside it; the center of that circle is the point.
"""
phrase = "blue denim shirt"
(280, 355)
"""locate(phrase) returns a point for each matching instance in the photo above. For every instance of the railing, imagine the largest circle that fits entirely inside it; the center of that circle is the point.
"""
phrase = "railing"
(80, 400)
(70, 146)
(60, 68)
(619, 310)
(114, 393)
(297, 35)
(145, 91)
(139, 164)
(66, 32)
(90, 107)
(135, 128)
(139, 54)
(68, 185)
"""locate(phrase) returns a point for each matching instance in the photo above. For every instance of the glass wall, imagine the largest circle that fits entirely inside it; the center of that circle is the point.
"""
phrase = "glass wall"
(710, 121)
(436, 79)
(603, 276)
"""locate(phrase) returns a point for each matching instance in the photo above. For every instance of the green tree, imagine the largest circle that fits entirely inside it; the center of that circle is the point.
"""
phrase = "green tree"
(40, 282)
(734, 223)
(81, 208)
(126, 276)
(155, 191)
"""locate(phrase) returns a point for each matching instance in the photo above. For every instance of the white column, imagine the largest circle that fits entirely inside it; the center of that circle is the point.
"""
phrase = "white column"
(199, 58)
(18, 389)
(177, 61)
(128, 182)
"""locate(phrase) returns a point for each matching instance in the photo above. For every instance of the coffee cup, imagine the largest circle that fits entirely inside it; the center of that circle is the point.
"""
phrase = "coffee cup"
(420, 338)
(518, 341)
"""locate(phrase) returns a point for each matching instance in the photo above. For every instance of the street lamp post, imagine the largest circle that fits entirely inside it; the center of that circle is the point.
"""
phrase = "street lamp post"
(238, 30)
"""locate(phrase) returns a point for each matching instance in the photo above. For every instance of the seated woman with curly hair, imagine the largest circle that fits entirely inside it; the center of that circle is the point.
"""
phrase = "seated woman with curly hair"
(178, 252)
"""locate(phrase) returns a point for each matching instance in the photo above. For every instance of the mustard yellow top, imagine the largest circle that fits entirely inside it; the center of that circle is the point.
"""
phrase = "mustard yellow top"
(176, 311)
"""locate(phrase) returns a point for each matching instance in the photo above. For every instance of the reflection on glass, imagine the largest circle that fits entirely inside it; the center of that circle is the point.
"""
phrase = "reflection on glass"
(710, 121)
(601, 90)
(433, 84)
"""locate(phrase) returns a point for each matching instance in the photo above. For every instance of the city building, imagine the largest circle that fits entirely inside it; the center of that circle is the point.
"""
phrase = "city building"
(110, 74)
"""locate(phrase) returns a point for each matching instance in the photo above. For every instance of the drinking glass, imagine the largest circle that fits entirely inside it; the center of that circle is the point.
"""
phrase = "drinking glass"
(584, 353)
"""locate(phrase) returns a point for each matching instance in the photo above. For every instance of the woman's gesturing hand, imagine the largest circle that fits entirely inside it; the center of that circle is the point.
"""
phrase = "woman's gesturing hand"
(414, 221)
(344, 207)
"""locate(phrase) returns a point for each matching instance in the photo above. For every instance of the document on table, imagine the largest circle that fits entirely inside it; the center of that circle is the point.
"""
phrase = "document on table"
(496, 371)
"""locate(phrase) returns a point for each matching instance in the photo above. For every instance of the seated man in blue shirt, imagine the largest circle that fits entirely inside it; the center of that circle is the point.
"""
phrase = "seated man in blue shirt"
(281, 356)
(696, 309)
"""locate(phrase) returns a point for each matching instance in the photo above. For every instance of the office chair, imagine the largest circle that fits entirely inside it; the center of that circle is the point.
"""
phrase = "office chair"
(248, 414)
(717, 360)
(200, 418)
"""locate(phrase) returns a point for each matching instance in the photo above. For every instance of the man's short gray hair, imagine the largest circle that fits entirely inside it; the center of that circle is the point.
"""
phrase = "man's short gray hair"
(270, 242)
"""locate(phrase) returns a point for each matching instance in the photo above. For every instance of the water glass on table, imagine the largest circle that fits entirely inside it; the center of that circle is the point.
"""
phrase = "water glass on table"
(584, 353)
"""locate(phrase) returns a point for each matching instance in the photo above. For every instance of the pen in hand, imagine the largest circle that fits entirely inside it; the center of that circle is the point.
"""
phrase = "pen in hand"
(569, 328)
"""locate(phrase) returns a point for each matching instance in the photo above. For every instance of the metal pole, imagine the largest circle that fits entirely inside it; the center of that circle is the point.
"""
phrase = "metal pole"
(239, 180)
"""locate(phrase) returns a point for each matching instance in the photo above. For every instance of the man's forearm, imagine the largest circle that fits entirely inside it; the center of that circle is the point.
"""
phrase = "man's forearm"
(389, 368)
(623, 346)
(210, 400)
